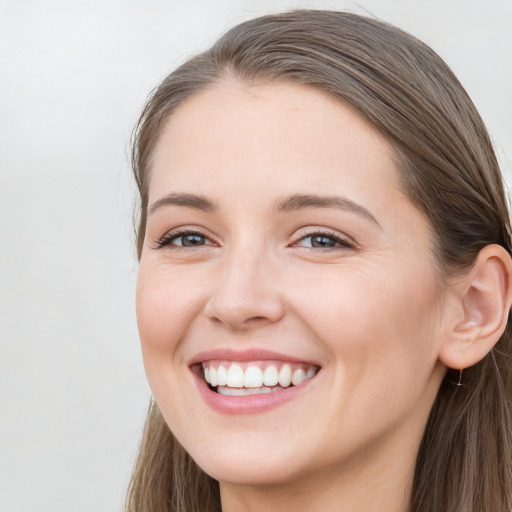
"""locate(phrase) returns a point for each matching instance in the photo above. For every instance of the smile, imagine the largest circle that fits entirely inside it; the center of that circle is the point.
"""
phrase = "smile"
(232, 378)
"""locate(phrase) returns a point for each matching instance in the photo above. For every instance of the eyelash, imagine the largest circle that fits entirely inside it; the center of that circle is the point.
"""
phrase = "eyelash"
(168, 239)
(343, 243)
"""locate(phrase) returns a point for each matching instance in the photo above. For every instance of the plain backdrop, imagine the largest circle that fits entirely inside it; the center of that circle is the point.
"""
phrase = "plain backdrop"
(74, 75)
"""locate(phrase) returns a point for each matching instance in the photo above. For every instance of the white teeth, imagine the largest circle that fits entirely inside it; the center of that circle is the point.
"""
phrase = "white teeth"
(298, 377)
(222, 374)
(224, 390)
(235, 377)
(253, 377)
(270, 376)
(213, 377)
(285, 375)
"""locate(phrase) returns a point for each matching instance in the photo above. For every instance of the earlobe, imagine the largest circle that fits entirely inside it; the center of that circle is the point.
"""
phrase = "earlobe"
(485, 296)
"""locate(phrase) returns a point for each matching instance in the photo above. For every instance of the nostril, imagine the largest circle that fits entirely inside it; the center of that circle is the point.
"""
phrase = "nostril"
(244, 324)
(257, 319)
(239, 318)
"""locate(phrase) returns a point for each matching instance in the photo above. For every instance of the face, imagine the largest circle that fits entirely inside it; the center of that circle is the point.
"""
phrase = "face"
(283, 261)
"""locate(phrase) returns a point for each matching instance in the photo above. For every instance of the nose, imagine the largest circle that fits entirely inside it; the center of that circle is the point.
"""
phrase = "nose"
(246, 294)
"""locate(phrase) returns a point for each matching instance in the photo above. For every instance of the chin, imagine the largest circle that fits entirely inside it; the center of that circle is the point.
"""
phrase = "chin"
(254, 473)
(256, 463)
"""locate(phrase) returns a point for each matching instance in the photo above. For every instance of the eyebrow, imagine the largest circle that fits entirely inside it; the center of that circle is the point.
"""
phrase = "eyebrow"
(189, 200)
(285, 204)
(304, 201)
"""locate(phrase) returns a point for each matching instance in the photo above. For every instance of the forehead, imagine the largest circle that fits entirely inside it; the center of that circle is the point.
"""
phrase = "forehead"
(255, 134)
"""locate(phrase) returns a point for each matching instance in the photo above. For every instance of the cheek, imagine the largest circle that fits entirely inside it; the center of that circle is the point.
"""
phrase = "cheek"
(373, 318)
(380, 335)
(166, 306)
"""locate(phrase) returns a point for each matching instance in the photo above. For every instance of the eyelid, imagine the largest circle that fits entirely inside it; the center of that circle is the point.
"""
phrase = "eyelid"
(345, 241)
(169, 236)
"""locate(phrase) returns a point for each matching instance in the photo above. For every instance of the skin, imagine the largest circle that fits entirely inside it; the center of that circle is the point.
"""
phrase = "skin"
(369, 311)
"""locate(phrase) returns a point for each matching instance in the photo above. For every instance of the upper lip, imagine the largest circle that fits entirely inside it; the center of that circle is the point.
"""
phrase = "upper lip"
(229, 354)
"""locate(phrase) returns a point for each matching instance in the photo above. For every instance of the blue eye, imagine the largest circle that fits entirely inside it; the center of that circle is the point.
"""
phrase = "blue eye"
(183, 239)
(324, 241)
(189, 240)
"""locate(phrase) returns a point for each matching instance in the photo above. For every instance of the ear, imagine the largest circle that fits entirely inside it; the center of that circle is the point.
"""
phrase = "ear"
(483, 300)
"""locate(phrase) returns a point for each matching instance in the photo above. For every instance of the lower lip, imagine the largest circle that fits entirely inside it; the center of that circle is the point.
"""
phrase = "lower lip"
(249, 404)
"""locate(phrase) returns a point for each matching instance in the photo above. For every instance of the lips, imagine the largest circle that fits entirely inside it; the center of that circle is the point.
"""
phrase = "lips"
(250, 381)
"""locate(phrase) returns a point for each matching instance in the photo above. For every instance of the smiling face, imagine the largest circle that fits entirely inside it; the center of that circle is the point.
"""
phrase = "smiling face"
(280, 247)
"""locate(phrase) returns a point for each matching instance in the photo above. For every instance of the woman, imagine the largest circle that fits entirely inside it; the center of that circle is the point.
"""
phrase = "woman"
(324, 280)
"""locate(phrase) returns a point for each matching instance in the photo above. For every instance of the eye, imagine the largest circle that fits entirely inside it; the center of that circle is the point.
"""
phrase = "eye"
(324, 241)
(180, 239)
(190, 240)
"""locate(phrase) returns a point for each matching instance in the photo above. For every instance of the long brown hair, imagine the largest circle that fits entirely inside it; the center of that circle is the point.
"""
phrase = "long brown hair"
(448, 169)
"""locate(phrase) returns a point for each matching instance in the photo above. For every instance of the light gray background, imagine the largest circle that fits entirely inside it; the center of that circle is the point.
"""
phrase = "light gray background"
(73, 77)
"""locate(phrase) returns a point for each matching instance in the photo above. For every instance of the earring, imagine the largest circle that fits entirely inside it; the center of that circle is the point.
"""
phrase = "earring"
(459, 382)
